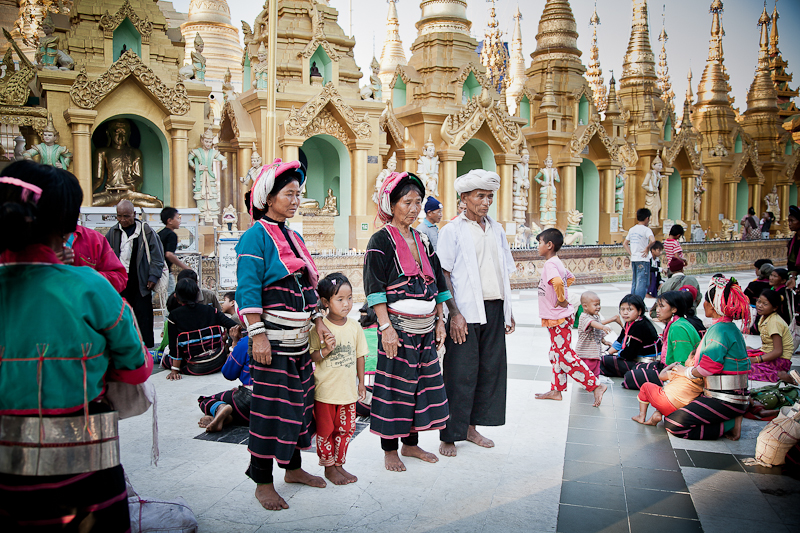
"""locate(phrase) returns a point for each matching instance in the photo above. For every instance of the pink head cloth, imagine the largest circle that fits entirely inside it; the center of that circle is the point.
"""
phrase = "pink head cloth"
(27, 188)
(265, 181)
(384, 201)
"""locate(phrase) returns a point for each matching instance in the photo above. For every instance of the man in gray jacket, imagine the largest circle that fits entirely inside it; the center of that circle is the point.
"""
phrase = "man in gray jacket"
(128, 240)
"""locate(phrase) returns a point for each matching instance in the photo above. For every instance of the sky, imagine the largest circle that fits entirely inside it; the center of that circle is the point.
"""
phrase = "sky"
(688, 25)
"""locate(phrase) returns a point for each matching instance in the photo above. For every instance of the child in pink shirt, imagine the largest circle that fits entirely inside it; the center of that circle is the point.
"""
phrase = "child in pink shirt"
(557, 316)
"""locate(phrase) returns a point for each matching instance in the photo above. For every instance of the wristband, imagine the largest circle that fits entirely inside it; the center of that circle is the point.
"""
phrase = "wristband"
(254, 326)
(256, 332)
(688, 372)
(175, 368)
(384, 327)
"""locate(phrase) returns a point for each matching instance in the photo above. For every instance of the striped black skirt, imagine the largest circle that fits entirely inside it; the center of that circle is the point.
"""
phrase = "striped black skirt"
(616, 367)
(703, 419)
(408, 395)
(643, 373)
(239, 398)
(282, 405)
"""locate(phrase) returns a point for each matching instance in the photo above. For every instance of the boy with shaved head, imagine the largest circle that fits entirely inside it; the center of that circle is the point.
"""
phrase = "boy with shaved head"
(591, 332)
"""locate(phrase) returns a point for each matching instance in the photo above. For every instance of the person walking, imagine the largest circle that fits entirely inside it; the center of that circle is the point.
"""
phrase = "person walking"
(477, 263)
(637, 243)
(433, 215)
(128, 239)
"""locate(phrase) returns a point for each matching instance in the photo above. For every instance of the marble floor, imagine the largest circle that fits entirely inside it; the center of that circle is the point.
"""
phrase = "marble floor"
(557, 466)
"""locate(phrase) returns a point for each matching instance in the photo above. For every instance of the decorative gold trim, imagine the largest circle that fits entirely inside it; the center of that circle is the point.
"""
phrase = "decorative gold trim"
(109, 23)
(300, 119)
(35, 117)
(792, 166)
(389, 122)
(227, 111)
(400, 72)
(457, 129)
(325, 123)
(583, 90)
(14, 87)
(530, 93)
(319, 38)
(684, 139)
(749, 153)
(463, 74)
(577, 144)
(88, 94)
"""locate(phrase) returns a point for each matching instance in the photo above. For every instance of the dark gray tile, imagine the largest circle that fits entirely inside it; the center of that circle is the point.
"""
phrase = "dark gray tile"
(608, 455)
(642, 458)
(592, 422)
(591, 495)
(626, 399)
(593, 473)
(646, 523)
(715, 461)
(645, 478)
(629, 426)
(785, 506)
(650, 442)
(662, 503)
(590, 436)
(774, 471)
(572, 519)
(683, 458)
(625, 412)
(605, 410)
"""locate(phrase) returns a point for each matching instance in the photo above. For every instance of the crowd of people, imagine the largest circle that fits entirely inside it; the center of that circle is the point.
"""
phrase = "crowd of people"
(441, 302)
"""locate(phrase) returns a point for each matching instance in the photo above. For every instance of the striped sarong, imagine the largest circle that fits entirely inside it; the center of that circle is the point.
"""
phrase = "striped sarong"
(703, 419)
(408, 395)
(95, 501)
(616, 367)
(641, 374)
(239, 398)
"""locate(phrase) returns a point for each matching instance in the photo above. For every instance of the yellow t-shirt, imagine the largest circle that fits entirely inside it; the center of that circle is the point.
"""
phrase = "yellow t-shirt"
(775, 325)
(335, 376)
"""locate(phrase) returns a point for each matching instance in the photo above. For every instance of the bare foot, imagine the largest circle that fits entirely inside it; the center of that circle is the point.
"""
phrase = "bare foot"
(336, 477)
(448, 449)
(223, 417)
(419, 453)
(598, 394)
(654, 419)
(475, 437)
(393, 462)
(301, 476)
(205, 421)
(269, 499)
(638, 418)
(350, 477)
(552, 395)
(736, 432)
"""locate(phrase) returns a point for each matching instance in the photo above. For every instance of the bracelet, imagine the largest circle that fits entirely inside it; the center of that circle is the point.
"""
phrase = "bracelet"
(255, 325)
(176, 368)
(255, 332)
(688, 372)
(385, 326)
(315, 315)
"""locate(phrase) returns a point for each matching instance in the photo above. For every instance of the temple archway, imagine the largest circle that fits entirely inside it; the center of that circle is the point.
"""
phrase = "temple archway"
(477, 154)
(150, 140)
(675, 196)
(742, 200)
(327, 160)
(587, 195)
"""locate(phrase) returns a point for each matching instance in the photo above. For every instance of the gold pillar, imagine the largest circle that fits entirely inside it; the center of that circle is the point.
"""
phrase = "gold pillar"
(244, 153)
(755, 198)
(272, 62)
(358, 177)
(81, 121)
(505, 196)
(783, 197)
(180, 184)
(687, 191)
(569, 177)
(730, 201)
(447, 176)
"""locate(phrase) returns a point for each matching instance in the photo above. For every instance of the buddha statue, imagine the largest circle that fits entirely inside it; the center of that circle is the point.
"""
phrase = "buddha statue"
(48, 151)
(206, 192)
(314, 71)
(330, 207)
(118, 170)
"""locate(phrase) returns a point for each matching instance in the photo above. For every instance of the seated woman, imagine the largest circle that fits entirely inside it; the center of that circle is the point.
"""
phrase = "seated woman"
(721, 359)
(637, 342)
(196, 340)
(230, 406)
(676, 393)
(679, 340)
(777, 282)
(777, 345)
(754, 289)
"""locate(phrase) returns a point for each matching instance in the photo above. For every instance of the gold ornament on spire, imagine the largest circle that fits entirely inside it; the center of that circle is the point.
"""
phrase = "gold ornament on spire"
(780, 77)
(393, 53)
(32, 14)
(594, 74)
(613, 109)
(713, 88)
(549, 98)
(494, 56)
(558, 35)
(761, 98)
(664, 83)
(516, 66)
(639, 65)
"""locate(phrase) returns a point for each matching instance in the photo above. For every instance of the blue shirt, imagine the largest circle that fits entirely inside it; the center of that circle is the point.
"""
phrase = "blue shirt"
(429, 230)
(237, 366)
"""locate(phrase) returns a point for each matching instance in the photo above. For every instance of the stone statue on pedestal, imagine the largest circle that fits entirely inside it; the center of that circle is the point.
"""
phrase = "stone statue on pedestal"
(428, 168)
(48, 56)
(261, 70)
(206, 193)
(228, 92)
(374, 89)
(574, 231)
(547, 192)
(773, 203)
(48, 151)
(652, 187)
(391, 166)
(255, 168)
(315, 74)
(118, 170)
(699, 190)
(330, 207)
(619, 190)
(522, 185)
(197, 69)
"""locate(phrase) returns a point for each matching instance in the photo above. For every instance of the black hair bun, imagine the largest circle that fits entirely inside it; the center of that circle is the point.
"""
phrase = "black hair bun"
(17, 221)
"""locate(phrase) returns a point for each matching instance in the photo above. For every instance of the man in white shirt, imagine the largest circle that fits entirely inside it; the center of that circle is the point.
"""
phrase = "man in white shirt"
(638, 242)
(476, 260)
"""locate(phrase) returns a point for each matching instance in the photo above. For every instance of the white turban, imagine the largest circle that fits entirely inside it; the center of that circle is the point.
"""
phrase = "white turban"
(477, 179)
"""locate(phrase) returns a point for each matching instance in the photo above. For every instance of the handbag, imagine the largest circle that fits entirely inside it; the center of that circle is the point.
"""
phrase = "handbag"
(133, 400)
(163, 282)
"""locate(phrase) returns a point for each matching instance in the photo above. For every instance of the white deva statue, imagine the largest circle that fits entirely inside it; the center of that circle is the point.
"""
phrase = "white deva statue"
(522, 185)
(391, 166)
(255, 168)
(652, 187)
(773, 203)
(428, 168)
(547, 179)
(206, 190)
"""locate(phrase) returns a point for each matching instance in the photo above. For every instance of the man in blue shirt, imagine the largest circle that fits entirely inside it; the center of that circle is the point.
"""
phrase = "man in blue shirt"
(433, 215)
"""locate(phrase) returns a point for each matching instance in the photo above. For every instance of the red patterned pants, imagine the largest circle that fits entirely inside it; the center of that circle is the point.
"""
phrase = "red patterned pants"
(655, 396)
(565, 362)
(336, 425)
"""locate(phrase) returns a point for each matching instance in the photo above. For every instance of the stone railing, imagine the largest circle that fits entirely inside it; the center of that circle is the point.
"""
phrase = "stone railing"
(590, 264)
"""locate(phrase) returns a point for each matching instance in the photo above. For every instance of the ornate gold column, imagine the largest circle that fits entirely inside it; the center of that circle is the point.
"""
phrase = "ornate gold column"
(569, 177)
(783, 197)
(290, 147)
(360, 193)
(81, 121)
(180, 184)
(730, 201)
(687, 192)
(447, 176)
(505, 196)
(755, 197)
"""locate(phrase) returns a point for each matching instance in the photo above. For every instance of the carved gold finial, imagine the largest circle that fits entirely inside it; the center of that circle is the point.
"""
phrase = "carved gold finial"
(762, 98)
(594, 74)
(686, 121)
(494, 56)
(613, 109)
(549, 98)
(713, 88)
(393, 53)
(516, 65)
(689, 95)
(664, 82)
(773, 36)
(639, 65)
(558, 36)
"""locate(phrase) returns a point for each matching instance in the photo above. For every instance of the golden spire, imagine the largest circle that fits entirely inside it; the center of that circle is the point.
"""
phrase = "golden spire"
(594, 74)
(392, 53)
(549, 98)
(761, 98)
(558, 35)
(780, 77)
(773, 36)
(516, 66)
(686, 121)
(493, 53)
(689, 95)
(664, 82)
(639, 65)
(613, 109)
(713, 88)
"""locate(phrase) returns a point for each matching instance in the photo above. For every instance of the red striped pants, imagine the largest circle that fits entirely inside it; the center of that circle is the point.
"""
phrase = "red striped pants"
(565, 362)
(336, 425)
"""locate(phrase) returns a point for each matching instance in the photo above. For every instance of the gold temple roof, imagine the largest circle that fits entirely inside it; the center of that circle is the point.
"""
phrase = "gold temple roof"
(639, 65)
(558, 35)
(761, 98)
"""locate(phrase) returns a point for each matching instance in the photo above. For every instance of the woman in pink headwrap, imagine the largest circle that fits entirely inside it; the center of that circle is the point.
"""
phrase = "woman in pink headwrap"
(405, 286)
